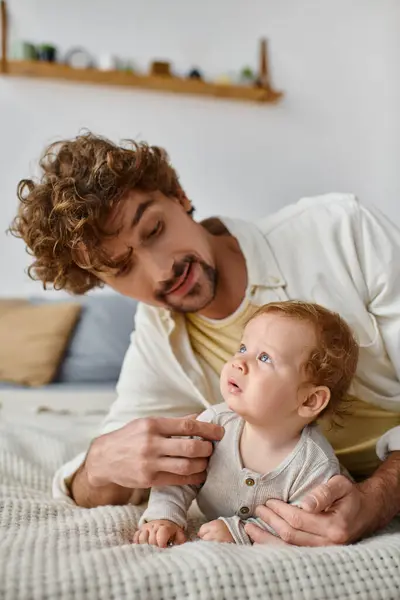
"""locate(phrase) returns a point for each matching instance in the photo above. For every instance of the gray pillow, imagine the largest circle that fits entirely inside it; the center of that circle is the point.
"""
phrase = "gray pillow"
(100, 339)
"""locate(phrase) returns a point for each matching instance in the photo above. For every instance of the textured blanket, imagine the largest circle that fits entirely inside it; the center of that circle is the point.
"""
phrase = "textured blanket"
(51, 550)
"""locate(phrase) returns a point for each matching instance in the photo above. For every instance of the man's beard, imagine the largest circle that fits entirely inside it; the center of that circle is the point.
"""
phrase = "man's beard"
(200, 295)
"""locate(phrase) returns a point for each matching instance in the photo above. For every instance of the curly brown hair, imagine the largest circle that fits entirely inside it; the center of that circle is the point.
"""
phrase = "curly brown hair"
(333, 362)
(82, 182)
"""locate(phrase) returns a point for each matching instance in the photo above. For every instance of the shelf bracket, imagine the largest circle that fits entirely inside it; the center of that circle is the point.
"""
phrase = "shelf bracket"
(4, 32)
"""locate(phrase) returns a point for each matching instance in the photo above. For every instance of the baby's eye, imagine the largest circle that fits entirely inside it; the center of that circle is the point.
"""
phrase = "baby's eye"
(264, 357)
(242, 349)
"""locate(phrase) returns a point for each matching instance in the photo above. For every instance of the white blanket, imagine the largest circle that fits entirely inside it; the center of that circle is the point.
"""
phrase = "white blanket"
(51, 550)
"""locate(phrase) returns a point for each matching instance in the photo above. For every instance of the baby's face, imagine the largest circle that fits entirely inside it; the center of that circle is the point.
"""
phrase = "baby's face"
(261, 382)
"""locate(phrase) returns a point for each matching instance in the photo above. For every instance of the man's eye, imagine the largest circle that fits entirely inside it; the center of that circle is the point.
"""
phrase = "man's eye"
(242, 349)
(156, 230)
(264, 357)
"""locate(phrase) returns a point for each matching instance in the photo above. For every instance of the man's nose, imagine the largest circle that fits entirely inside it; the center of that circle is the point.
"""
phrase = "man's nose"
(158, 267)
(241, 365)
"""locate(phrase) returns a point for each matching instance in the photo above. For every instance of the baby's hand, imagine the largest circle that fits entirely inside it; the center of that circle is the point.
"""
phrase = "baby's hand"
(159, 533)
(215, 531)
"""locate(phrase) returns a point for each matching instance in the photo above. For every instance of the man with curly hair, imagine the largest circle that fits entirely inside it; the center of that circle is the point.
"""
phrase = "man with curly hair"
(103, 214)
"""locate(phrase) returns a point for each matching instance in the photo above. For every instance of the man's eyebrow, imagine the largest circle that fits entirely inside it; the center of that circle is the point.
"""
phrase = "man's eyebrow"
(141, 209)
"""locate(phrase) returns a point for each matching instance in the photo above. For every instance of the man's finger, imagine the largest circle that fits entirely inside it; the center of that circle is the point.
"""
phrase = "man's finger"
(325, 494)
(260, 536)
(182, 466)
(294, 516)
(170, 479)
(188, 427)
(184, 447)
(300, 538)
(287, 533)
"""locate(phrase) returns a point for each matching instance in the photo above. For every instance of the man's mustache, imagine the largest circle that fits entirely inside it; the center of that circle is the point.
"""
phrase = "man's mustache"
(178, 269)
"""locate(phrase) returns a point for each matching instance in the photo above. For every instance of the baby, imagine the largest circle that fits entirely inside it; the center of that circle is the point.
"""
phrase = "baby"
(295, 363)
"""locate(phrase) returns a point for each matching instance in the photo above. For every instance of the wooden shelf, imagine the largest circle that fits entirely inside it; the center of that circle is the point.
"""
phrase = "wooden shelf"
(58, 72)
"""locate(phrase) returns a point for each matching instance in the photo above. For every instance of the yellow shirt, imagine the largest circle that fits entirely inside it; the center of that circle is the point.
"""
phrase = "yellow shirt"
(214, 342)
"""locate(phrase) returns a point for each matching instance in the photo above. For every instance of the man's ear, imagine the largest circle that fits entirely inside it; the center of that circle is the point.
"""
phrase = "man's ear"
(80, 255)
(187, 205)
(185, 202)
(315, 402)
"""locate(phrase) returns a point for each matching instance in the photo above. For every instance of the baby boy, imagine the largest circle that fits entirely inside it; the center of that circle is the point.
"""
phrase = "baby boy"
(294, 365)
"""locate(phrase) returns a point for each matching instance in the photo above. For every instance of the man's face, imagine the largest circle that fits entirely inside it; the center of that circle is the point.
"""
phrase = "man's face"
(171, 263)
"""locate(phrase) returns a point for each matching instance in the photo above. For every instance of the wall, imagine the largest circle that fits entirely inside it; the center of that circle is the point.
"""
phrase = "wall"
(337, 129)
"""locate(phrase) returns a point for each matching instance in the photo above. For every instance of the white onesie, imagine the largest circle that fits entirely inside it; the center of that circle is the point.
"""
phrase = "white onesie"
(231, 492)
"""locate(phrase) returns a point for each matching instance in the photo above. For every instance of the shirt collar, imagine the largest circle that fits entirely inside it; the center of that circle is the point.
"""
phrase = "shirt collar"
(262, 268)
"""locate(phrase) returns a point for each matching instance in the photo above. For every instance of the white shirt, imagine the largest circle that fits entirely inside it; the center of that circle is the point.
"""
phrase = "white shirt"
(330, 250)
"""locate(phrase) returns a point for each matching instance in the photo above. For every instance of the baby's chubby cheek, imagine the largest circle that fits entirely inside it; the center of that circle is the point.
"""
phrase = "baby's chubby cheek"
(240, 403)
(223, 382)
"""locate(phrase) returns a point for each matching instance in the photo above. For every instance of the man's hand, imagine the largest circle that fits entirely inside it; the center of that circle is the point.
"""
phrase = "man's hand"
(144, 454)
(336, 512)
(215, 531)
(329, 516)
(160, 533)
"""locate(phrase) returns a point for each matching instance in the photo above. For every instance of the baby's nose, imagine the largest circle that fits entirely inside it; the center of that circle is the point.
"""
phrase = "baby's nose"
(241, 365)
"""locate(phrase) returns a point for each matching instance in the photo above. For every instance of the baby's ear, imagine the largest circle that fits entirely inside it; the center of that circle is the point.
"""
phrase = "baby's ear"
(315, 402)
